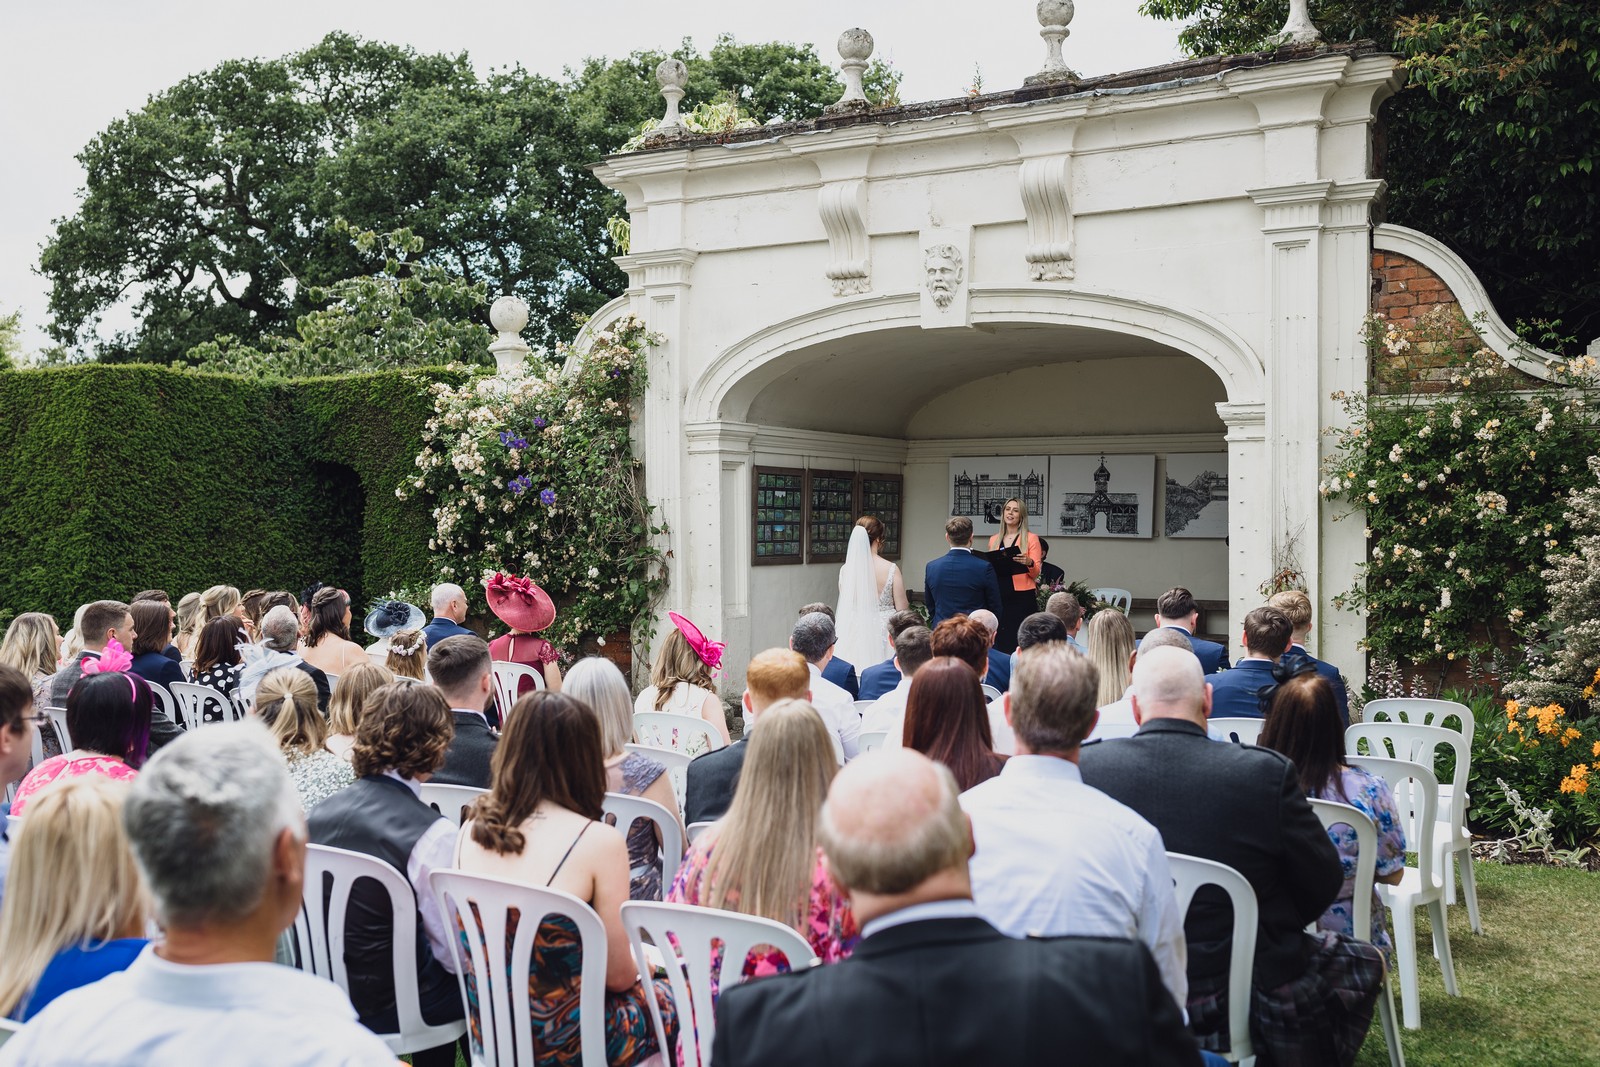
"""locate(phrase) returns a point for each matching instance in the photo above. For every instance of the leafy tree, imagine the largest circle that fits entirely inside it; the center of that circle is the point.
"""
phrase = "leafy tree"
(10, 348)
(1491, 147)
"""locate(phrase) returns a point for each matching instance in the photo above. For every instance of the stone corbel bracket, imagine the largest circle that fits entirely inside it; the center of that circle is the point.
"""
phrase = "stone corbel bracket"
(1046, 199)
(843, 207)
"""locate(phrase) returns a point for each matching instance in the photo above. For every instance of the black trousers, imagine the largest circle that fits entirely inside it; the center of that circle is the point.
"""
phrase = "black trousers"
(1015, 605)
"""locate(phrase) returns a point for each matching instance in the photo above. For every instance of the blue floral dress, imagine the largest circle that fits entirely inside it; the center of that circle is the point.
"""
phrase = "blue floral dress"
(1370, 795)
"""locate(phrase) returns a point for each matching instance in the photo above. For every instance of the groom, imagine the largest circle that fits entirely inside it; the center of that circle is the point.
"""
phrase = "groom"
(958, 582)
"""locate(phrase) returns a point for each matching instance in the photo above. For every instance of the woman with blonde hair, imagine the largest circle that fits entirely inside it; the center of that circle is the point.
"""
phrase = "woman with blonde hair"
(597, 684)
(1110, 646)
(72, 640)
(286, 700)
(75, 909)
(347, 702)
(31, 645)
(762, 857)
(408, 653)
(681, 681)
(221, 600)
(189, 624)
(1019, 595)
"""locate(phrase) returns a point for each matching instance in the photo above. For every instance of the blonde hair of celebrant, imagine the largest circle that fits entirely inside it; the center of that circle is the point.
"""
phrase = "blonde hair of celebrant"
(765, 849)
(73, 879)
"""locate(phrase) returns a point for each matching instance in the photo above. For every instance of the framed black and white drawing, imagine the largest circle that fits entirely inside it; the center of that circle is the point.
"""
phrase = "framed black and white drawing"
(1101, 495)
(981, 485)
(1196, 495)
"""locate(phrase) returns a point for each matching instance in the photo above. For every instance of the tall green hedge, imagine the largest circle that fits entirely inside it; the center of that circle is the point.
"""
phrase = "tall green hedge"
(120, 478)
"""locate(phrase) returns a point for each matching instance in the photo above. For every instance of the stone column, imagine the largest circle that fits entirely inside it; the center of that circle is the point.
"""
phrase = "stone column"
(716, 536)
(1251, 501)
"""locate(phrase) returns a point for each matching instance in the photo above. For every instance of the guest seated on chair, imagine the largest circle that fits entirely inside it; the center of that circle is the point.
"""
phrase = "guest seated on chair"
(387, 618)
(217, 834)
(762, 857)
(346, 706)
(999, 671)
(400, 743)
(814, 638)
(1039, 628)
(680, 678)
(527, 610)
(152, 624)
(1177, 607)
(449, 602)
(75, 909)
(32, 645)
(540, 824)
(879, 678)
(841, 673)
(407, 655)
(1111, 652)
(217, 660)
(912, 649)
(1119, 713)
(1067, 608)
(932, 984)
(774, 675)
(1242, 806)
(597, 684)
(1243, 691)
(19, 717)
(1297, 606)
(108, 718)
(327, 645)
(462, 671)
(947, 720)
(280, 632)
(286, 700)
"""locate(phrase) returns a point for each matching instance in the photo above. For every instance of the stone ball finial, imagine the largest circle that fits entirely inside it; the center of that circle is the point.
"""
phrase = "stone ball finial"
(672, 72)
(1055, 12)
(1053, 18)
(508, 314)
(855, 44)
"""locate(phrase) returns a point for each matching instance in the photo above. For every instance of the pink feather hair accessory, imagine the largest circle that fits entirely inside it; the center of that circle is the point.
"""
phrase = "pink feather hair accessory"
(114, 658)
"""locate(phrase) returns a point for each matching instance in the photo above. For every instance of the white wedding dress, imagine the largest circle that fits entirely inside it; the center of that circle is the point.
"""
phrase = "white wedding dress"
(862, 614)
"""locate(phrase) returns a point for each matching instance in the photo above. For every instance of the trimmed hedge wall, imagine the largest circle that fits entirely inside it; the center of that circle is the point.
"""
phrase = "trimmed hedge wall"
(120, 478)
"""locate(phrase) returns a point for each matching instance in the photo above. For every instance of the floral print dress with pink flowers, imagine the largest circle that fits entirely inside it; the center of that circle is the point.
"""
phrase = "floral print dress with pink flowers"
(57, 767)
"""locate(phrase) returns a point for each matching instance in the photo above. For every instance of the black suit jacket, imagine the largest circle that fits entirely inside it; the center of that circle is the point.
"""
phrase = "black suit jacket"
(958, 583)
(1235, 804)
(712, 778)
(467, 760)
(957, 992)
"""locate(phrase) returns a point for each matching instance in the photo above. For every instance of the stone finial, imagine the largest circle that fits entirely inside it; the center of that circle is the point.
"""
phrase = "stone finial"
(1297, 28)
(672, 76)
(855, 48)
(509, 316)
(1054, 15)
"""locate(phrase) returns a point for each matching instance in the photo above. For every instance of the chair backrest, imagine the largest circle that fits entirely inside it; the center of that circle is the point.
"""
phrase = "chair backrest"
(406, 679)
(164, 701)
(677, 764)
(690, 972)
(319, 932)
(629, 809)
(333, 681)
(13, 827)
(380, 656)
(1417, 744)
(1334, 814)
(1416, 796)
(479, 908)
(7, 1028)
(193, 700)
(448, 800)
(990, 693)
(695, 829)
(1245, 731)
(1120, 599)
(870, 740)
(1189, 873)
(1423, 713)
(508, 680)
(36, 748)
(688, 734)
(58, 719)
(863, 705)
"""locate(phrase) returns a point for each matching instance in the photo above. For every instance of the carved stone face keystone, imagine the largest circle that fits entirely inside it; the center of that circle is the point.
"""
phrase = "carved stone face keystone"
(946, 271)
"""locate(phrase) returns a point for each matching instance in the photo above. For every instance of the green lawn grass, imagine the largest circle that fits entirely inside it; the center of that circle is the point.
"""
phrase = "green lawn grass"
(1530, 984)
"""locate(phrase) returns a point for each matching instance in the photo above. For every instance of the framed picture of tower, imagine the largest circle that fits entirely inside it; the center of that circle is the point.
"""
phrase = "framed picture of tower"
(1101, 495)
(981, 485)
(1195, 497)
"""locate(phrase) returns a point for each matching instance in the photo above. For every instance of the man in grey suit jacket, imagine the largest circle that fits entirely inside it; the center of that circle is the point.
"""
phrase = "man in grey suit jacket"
(1242, 806)
(461, 669)
(102, 621)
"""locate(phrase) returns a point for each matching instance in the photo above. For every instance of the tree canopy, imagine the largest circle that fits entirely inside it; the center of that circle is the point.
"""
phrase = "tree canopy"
(211, 212)
(1491, 147)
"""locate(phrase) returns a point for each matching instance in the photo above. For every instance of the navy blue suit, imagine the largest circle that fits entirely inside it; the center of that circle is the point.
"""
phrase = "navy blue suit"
(1213, 657)
(999, 674)
(842, 673)
(958, 583)
(1331, 673)
(1233, 692)
(878, 679)
(439, 629)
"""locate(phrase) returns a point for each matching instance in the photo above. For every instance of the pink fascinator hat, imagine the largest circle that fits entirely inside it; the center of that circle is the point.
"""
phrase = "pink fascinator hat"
(114, 660)
(519, 603)
(709, 651)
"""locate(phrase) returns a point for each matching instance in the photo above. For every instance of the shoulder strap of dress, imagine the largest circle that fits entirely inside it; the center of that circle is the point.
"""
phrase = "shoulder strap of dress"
(567, 853)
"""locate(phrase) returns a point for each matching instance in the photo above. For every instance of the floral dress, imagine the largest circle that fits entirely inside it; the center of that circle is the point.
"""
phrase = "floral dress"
(1370, 795)
(318, 775)
(66, 766)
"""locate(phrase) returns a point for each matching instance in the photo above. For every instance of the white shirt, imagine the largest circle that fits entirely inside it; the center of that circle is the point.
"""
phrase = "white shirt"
(435, 850)
(1116, 719)
(159, 1012)
(838, 712)
(888, 713)
(1055, 856)
(956, 908)
(1005, 738)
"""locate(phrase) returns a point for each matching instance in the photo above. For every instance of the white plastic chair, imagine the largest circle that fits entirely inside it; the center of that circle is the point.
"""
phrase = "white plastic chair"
(508, 680)
(1421, 744)
(863, 705)
(689, 967)
(1189, 873)
(13, 827)
(695, 829)
(164, 701)
(333, 681)
(58, 720)
(192, 700)
(1244, 731)
(677, 766)
(406, 679)
(629, 809)
(448, 800)
(380, 656)
(871, 740)
(990, 693)
(7, 1028)
(1120, 599)
(36, 748)
(479, 907)
(1335, 814)
(319, 932)
(689, 734)
(1416, 794)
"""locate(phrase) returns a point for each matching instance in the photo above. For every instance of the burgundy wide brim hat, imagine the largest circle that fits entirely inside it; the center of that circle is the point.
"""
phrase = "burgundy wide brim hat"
(519, 603)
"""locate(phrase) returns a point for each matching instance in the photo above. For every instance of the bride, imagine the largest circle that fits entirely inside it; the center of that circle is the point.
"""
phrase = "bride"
(870, 590)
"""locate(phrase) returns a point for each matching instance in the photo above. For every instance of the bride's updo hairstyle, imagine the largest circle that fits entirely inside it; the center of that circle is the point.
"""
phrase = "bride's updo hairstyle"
(874, 528)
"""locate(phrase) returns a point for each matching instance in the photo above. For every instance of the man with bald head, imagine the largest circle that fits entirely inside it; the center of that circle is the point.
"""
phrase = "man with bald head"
(999, 674)
(1242, 806)
(931, 982)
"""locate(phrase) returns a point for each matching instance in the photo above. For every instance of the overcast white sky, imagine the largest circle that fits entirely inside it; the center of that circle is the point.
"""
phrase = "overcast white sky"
(68, 67)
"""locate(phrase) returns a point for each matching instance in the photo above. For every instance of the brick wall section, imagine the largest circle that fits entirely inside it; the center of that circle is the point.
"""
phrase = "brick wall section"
(1403, 292)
